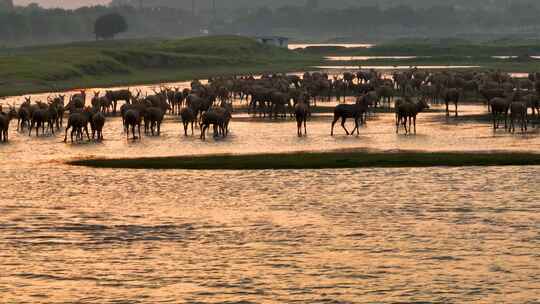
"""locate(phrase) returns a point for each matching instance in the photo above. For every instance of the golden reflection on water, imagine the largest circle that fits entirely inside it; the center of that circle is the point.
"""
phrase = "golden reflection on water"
(294, 46)
(382, 235)
(372, 235)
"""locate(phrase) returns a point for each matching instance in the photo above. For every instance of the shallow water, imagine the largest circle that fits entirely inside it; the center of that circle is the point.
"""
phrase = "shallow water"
(428, 235)
(519, 75)
(364, 58)
(260, 135)
(295, 46)
(145, 89)
(396, 67)
(513, 57)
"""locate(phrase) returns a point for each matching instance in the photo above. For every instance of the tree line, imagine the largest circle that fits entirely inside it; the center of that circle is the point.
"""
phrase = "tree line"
(310, 19)
(374, 21)
(35, 25)
(233, 5)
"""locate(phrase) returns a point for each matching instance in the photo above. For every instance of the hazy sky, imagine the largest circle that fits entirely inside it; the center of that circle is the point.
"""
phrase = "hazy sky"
(62, 3)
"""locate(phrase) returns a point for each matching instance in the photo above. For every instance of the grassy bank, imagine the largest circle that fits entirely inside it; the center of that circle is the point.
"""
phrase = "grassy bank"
(124, 62)
(132, 62)
(319, 161)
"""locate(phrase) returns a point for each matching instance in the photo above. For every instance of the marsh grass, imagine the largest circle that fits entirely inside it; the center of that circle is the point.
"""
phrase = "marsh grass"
(323, 160)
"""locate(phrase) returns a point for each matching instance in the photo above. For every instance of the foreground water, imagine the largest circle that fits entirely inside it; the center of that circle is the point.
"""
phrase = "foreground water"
(70, 234)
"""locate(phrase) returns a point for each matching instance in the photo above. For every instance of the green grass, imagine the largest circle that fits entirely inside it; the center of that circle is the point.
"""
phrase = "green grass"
(133, 62)
(124, 62)
(324, 160)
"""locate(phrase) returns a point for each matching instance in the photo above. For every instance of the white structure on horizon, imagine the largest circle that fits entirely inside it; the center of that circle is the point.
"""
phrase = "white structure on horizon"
(274, 41)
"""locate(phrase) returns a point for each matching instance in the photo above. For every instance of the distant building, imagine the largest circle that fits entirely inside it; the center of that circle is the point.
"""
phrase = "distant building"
(274, 40)
(6, 5)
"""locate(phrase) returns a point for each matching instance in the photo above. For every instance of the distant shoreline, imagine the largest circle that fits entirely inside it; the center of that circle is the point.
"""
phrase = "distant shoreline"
(58, 68)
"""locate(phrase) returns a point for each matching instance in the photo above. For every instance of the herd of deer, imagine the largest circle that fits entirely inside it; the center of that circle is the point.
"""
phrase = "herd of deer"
(273, 96)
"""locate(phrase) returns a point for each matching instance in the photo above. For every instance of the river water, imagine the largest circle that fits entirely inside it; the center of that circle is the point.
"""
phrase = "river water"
(427, 235)
(294, 46)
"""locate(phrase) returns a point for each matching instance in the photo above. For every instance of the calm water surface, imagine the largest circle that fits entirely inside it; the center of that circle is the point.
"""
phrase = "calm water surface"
(396, 67)
(364, 58)
(294, 46)
(429, 235)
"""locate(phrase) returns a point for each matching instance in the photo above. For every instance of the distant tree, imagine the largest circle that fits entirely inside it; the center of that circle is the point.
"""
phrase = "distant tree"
(108, 26)
(312, 4)
(6, 5)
